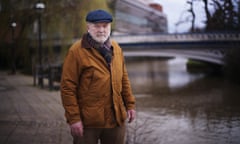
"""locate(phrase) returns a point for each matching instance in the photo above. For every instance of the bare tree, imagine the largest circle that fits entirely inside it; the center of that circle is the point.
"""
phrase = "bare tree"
(225, 16)
(190, 18)
(208, 15)
(191, 10)
(221, 15)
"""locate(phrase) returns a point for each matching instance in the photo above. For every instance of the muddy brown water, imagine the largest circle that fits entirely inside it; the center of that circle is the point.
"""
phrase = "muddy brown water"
(177, 107)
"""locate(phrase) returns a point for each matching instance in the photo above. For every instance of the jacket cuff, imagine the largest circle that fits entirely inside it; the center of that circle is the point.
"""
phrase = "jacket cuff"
(73, 120)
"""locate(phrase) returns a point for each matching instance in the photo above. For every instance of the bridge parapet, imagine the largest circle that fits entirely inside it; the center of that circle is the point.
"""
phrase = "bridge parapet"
(193, 37)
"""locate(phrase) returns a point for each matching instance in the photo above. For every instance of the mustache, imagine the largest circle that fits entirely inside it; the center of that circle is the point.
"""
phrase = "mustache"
(102, 34)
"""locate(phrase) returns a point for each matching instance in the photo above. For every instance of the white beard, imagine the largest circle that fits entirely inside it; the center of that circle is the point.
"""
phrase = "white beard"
(100, 38)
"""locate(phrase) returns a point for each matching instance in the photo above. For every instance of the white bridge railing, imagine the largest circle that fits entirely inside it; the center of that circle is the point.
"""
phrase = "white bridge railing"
(194, 37)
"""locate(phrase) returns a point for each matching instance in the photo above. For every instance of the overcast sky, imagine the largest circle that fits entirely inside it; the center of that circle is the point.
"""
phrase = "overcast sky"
(176, 10)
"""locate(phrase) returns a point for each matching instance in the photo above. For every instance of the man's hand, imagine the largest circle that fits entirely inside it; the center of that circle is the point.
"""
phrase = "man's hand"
(131, 115)
(77, 129)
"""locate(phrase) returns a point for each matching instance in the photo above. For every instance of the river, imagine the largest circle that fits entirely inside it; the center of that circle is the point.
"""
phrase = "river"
(175, 106)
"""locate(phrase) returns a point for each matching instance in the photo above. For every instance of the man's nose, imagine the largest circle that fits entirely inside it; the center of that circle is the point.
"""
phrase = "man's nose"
(101, 29)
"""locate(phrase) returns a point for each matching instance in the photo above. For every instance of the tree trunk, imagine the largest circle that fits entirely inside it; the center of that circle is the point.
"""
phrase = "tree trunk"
(191, 10)
(208, 15)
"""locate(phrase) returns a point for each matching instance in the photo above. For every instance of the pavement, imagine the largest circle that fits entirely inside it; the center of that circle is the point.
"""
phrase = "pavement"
(29, 114)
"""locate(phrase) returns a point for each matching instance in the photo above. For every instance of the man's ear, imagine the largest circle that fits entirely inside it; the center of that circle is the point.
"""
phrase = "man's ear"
(87, 26)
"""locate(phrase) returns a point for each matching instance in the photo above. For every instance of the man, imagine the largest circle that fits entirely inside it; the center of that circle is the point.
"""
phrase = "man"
(95, 88)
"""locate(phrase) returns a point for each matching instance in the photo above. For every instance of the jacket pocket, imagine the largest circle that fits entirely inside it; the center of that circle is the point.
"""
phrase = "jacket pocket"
(123, 112)
(93, 116)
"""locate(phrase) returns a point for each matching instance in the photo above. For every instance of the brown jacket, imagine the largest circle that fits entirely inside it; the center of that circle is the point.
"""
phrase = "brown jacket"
(87, 84)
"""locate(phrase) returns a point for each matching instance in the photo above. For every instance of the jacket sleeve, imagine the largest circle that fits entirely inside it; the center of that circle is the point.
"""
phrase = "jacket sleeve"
(127, 94)
(69, 83)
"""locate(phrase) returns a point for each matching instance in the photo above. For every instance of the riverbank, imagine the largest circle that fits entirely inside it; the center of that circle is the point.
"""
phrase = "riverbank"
(30, 115)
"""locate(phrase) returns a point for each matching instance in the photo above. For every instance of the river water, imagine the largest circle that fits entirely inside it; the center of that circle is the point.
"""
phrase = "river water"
(178, 107)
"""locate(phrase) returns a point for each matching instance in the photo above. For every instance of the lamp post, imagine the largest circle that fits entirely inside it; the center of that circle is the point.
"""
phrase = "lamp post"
(13, 67)
(39, 6)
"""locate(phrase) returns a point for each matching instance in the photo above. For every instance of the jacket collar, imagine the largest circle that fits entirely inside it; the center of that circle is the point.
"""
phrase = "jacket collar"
(84, 42)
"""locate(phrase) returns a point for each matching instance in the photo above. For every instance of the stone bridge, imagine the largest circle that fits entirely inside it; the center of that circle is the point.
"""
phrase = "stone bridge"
(208, 47)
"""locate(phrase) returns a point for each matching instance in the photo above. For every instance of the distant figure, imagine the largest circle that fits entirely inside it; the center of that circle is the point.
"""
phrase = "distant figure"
(95, 88)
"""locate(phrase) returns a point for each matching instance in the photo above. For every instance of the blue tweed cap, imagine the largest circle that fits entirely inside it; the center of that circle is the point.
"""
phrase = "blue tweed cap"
(99, 16)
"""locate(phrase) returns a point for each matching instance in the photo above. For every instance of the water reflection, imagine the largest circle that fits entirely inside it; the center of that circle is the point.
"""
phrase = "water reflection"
(178, 76)
(159, 73)
(184, 108)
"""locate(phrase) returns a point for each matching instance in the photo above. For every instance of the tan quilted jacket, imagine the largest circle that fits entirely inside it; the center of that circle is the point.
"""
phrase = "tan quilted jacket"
(88, 87)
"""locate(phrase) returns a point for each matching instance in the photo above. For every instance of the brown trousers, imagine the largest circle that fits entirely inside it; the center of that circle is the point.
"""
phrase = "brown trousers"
(102, 135)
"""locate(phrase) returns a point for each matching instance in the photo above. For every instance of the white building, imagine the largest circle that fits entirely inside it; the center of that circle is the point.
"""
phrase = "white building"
(139, 17)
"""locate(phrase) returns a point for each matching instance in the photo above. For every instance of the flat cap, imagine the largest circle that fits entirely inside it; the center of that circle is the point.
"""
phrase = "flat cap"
(99, 16)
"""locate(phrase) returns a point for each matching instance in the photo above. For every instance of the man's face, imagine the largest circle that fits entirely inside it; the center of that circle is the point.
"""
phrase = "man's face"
(99, 31)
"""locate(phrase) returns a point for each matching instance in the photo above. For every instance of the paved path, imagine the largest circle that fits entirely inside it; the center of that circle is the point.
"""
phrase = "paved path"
(30, 115)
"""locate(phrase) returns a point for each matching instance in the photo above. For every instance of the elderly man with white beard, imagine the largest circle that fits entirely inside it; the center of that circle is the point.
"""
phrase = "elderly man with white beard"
(95, 88)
